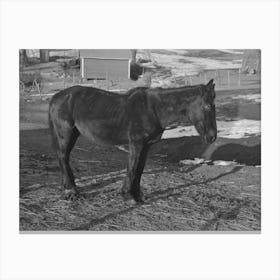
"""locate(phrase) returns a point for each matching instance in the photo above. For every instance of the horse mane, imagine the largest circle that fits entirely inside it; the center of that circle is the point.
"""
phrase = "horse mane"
(189, 91)
(182, 87)
(136, 89)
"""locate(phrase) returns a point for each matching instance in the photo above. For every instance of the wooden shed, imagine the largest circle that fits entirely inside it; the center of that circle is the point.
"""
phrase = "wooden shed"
(105, 63)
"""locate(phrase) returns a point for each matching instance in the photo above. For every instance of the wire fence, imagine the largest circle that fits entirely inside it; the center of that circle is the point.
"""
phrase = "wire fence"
(224, 77)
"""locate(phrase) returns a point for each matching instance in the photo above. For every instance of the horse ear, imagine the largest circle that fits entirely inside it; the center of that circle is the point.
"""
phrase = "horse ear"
(210, 82)
(210, 85)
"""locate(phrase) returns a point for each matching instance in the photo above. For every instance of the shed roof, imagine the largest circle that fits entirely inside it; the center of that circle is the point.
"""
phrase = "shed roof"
(106, 53)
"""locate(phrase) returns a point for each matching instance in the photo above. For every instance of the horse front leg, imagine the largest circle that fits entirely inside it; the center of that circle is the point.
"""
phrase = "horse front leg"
(136, 163)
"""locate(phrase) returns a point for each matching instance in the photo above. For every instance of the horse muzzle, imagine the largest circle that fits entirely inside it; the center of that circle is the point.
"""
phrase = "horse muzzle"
(209, 138)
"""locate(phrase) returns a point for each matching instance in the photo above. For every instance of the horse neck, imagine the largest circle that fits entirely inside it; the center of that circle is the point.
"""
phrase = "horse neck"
(175, 104)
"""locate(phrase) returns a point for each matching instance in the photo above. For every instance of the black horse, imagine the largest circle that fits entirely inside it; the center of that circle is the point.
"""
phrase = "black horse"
(137, 118)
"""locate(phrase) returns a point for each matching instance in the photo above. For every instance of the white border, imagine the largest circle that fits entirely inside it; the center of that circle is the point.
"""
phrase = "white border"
(192, 24)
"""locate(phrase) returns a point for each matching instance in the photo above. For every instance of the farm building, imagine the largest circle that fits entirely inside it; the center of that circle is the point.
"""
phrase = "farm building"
(105, 63)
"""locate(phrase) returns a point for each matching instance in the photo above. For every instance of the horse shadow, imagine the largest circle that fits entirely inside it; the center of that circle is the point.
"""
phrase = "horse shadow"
(177, 191)
(246, 151)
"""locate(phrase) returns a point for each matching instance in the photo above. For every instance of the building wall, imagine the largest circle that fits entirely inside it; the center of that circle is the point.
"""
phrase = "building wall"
(93, 68)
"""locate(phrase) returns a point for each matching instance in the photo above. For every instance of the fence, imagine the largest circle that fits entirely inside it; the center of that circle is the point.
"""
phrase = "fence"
(224, 78)
(231, 77)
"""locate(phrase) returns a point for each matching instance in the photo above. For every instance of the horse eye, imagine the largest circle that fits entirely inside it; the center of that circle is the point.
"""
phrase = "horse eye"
(207, 107)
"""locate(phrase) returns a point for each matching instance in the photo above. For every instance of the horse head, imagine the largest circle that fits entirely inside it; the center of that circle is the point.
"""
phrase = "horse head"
(202, 113)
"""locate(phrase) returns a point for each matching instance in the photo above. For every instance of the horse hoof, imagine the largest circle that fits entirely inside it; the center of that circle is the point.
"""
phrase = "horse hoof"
(133, 198)
(130, 202)
(139, 199)
(127, 196)
(70, 194)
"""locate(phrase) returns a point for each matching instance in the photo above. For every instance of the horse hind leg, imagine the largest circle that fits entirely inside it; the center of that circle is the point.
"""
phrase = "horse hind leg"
(64, 138)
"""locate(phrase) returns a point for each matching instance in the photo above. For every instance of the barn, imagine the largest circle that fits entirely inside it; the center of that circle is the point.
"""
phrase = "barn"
(105, 63)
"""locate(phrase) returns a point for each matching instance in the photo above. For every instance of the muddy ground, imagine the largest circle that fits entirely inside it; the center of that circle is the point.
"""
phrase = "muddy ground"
(179, 197)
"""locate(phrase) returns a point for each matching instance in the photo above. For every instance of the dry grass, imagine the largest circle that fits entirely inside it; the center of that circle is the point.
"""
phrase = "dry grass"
(176, 200)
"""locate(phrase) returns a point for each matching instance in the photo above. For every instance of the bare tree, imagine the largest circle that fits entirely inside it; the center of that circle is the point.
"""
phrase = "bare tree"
(133, 56)
(23, 58)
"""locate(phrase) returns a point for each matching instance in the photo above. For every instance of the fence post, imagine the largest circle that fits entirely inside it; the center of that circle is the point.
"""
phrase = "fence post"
(64, 80)
(239, 81)
(216, 76)
(107, 80)
(257, 65)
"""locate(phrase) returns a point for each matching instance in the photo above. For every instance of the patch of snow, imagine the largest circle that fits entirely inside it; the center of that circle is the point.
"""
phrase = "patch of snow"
(237, 61)
(224, 162)
(253, 97)
(188, 65)
(232, 129)
(178, 51)
(181, 65)
(122, 148)
(179, 132)
(194, 161)
(199, 161)
(230, 51)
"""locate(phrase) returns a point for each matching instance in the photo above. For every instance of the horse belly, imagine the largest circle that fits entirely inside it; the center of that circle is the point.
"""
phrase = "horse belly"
(103, 133)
